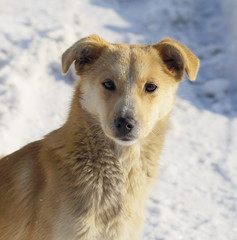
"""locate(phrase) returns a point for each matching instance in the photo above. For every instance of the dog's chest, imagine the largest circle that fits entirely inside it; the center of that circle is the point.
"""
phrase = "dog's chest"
(110, 194)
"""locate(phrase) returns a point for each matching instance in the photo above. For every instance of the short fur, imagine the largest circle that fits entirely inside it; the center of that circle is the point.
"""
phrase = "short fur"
(81, 181)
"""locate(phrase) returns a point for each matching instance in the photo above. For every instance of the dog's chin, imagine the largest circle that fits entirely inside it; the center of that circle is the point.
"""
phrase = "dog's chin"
(125, 142)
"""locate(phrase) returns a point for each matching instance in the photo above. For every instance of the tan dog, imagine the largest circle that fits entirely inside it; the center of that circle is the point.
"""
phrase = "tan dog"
(89, 179)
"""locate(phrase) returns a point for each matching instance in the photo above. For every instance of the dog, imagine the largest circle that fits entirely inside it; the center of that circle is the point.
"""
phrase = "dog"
(89, 179)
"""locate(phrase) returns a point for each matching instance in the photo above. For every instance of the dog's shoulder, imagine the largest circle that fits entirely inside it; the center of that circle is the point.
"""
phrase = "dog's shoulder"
(17, 168)
(28, 152)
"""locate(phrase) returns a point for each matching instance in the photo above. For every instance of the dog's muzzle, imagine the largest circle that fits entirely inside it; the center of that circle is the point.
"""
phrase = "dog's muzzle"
(125, 128)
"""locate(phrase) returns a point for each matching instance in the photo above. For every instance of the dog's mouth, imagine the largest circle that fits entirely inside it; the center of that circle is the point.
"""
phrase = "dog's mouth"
(124, 141)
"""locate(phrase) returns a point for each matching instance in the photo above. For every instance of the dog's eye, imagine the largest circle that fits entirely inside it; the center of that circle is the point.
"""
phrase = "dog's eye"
(109, 84)
(150, 87)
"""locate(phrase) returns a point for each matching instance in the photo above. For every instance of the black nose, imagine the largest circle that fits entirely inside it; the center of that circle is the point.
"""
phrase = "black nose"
(124, 125)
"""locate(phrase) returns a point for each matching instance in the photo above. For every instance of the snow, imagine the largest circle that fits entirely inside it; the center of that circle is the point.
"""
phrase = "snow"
(216, 88)
(195, 196)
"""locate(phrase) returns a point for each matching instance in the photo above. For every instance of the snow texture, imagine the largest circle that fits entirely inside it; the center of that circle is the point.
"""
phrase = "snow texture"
(195, 197)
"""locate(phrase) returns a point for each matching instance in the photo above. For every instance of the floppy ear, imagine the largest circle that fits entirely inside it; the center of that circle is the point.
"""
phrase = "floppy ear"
(84, 52)
(177, 58)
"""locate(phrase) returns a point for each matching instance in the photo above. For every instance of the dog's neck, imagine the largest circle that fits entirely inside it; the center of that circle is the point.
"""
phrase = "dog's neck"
(82, 124)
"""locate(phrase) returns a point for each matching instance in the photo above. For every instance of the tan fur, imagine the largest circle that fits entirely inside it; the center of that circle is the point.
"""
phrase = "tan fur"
(80, 181)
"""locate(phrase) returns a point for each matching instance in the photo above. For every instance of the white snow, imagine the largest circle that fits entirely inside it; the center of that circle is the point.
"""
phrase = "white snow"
(195, 197)
(216, 87)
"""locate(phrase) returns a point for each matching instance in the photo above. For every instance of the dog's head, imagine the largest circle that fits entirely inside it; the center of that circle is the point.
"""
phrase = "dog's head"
(128, 88)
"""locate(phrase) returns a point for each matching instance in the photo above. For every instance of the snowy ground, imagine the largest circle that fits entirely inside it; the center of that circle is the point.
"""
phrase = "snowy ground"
(195, 197)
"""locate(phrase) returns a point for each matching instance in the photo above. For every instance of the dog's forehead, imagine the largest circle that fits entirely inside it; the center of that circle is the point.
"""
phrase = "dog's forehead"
(132, 62)
(129, 52)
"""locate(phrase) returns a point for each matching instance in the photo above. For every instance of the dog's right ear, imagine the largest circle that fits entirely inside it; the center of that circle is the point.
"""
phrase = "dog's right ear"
(84, 52)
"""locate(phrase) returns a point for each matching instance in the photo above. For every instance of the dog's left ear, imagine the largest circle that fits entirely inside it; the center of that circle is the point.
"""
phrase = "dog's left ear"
(177, 58)
(84, 52)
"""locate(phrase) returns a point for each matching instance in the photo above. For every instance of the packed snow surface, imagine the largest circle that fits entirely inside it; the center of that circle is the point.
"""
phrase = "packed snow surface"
(195, 196)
